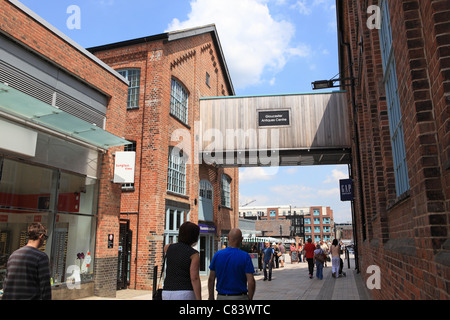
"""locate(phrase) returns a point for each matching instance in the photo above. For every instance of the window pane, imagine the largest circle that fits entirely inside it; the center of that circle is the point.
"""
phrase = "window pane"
(176, 173)
(28, 194)
(179, 101)
(393, 103)
(77, 194)
(134, 78)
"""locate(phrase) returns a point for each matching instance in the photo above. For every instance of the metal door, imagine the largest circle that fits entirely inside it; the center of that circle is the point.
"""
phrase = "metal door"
(124, 257)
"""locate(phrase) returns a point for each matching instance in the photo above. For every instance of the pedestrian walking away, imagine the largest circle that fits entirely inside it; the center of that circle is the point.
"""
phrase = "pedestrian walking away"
(182, 280)
(335, 258)
(267, 258)
(28, 269)
(233, 269)
(319, 260)
(326, 250)
(308, 254)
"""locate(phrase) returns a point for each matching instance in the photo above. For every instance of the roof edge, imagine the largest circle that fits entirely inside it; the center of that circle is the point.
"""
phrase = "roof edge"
(173, 36)
(65, 38)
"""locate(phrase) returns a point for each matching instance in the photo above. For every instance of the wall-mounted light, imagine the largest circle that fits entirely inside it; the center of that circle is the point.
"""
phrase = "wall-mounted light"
(326, 84)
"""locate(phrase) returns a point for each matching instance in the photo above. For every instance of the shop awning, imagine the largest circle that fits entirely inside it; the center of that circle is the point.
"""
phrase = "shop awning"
(25, 107)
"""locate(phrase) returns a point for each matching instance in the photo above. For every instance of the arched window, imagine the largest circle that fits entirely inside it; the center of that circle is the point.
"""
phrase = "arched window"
(176, 173)
(179, 101)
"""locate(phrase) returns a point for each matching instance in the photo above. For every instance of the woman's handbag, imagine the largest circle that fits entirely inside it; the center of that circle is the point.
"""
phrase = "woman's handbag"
(158, 294)
(320, 256)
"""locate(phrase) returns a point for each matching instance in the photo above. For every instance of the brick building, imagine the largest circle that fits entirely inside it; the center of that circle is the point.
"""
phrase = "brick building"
(60, 123)
(319, 224)
(168, 75)
(316, 222)
(400, 62)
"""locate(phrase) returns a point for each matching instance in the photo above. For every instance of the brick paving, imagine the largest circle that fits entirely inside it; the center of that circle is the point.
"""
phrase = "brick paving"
(289, 283)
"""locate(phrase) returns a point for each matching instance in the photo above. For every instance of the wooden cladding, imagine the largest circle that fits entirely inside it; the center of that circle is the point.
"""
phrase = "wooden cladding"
(291, 122)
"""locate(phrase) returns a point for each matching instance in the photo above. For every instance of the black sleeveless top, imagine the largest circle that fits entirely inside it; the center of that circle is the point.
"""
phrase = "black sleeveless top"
(178, 263)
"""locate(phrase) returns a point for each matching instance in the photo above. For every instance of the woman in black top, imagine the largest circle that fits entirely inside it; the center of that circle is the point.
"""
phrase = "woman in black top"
(182, 280)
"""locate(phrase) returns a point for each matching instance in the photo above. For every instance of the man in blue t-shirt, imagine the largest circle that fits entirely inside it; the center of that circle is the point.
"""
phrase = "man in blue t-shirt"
(267, 258)
(234, 270)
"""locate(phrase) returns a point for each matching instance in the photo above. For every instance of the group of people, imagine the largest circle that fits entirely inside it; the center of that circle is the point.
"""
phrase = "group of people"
(28, 272)
(231, 267)
(318, 255)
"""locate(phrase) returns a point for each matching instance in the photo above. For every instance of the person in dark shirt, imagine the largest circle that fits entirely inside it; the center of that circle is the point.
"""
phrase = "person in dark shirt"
(182, 280)
(267, 258)
(28, 269)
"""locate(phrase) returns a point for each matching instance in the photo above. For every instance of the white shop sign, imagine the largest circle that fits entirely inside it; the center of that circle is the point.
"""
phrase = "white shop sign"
(124, 167)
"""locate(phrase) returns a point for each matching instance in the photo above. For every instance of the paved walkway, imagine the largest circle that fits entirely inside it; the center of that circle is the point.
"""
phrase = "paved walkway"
(289, 283)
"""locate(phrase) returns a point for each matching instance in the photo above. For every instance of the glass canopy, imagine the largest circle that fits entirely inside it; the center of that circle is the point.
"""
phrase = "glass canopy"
(21, 105)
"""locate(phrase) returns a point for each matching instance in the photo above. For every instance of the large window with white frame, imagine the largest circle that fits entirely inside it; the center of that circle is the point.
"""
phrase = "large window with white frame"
(226, 191)
(134, 78)
(176, 173)
(179, 101)
(393, 102)
(175, 217)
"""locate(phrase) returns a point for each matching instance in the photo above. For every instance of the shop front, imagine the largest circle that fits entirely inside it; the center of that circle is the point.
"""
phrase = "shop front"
(49, 177)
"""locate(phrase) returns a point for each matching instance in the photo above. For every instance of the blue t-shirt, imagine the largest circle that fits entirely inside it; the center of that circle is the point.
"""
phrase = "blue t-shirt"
(231, 265)
(267, 254)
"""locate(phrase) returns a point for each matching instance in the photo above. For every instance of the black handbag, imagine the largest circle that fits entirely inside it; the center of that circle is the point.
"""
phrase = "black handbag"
(157, 294)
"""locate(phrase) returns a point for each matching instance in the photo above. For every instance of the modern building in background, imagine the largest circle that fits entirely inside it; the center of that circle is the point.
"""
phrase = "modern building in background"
(305, 222)
(168, 74)
(60, 124)
(397, 60)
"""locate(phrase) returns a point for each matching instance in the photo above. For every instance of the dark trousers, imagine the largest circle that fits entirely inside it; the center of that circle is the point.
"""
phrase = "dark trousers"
(310, 265)
(267, 265)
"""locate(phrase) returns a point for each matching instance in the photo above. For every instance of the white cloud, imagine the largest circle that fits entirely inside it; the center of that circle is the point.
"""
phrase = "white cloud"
(328, 193)
(306, 7)
(336, 175)
(249, 175)
(291, 170)
(291, 193)
(252, 40)
(303, 8)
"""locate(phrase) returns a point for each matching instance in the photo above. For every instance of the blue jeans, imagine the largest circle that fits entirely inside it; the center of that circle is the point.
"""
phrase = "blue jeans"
(265, 265)
(319, 268)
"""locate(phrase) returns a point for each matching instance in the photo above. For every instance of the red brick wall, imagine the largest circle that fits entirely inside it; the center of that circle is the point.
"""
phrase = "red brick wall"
(408, 238)
(151, 126)
(24, 29)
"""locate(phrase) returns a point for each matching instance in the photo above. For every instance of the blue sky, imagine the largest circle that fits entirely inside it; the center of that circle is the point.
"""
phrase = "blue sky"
(270, 46)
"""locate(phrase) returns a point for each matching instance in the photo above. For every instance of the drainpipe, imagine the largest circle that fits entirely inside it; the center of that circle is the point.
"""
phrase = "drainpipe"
(339, 4)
